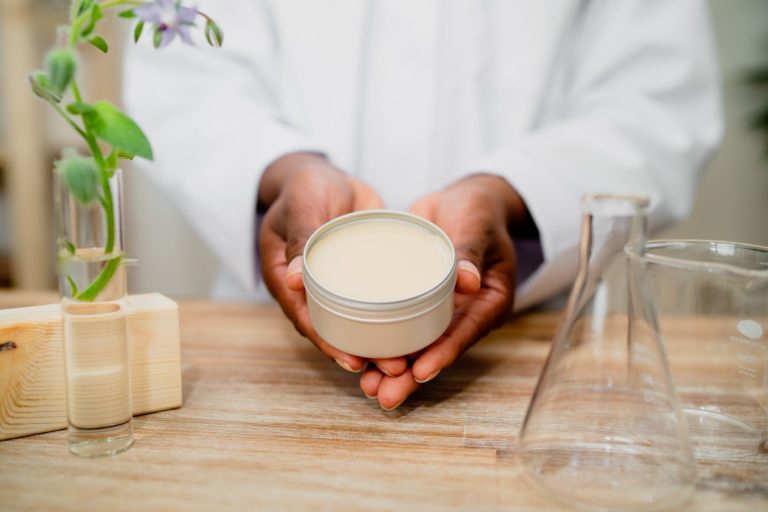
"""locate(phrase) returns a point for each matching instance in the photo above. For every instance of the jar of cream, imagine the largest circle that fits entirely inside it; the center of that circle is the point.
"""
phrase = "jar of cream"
(379, 283)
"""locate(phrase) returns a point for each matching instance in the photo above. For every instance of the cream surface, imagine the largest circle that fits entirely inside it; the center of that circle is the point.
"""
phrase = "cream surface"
(379, 260)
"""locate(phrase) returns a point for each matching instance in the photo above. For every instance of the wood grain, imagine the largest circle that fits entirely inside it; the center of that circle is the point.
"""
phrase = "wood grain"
(269, 424)
(32, 387)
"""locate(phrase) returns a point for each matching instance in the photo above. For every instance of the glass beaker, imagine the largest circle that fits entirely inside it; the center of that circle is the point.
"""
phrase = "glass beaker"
(711, 301)
(604, 430)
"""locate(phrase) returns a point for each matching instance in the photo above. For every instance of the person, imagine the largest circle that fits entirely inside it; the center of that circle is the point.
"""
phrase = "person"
(490, 119)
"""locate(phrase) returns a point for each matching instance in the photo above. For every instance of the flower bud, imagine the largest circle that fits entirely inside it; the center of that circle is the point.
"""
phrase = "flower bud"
(81, 176)
(61, 65)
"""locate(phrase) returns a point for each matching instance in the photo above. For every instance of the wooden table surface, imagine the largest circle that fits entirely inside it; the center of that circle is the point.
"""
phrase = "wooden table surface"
(269, 424)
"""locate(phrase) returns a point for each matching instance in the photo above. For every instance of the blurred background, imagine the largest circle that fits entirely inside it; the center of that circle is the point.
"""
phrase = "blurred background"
(732, 203)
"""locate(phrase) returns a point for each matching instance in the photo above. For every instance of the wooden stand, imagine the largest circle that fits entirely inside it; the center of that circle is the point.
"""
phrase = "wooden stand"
(32, 385)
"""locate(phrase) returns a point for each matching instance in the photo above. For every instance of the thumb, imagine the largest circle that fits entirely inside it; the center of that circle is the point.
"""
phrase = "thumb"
(468, 278)
(294, 275)
(298, 232)
(471, 246)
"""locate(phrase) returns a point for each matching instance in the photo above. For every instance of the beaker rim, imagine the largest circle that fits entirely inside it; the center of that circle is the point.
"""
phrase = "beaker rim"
(722, 247)
(614, 204)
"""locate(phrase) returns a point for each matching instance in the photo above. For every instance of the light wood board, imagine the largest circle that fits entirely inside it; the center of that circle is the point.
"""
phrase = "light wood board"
(32, 385)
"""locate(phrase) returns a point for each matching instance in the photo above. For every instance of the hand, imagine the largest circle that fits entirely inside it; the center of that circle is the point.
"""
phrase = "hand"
(301, 192)
(477, 213)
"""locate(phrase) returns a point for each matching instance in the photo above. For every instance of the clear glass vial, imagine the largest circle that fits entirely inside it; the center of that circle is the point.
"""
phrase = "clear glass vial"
(97, 365)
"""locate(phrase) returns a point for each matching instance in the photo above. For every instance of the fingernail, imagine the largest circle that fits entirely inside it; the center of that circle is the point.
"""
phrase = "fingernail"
(469, 267)
(384, 371)
(295, 266)
(369, 397)
(346, 366)
(394, 406)
(428, 378)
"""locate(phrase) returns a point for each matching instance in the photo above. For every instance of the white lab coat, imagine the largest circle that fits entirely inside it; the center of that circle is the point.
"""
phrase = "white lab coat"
(561, 97)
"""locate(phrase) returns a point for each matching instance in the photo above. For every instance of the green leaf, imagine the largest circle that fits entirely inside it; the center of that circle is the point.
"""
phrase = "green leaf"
(95, 16)
(123, 155)
(84, 6)
(117, 129)
(157, 38)
(129, 14)
(60, 65)
(214, 34)
(81, 175)
(41, 86)
(137, 31)
(99, 43)
(79, 108)
(72, 285)
(71, 249)
(112, 160)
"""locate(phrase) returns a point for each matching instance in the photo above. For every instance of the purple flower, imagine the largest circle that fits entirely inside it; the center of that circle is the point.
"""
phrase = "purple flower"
(169, 18)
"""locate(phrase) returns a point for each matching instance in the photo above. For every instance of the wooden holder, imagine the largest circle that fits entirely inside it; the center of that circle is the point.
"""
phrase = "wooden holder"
(32, 385)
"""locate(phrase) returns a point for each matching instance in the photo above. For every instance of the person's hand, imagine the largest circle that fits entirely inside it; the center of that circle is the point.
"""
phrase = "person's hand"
(477, 213)
(301, 192)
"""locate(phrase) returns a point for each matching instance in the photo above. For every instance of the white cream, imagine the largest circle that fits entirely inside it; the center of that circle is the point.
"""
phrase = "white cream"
(379, 283)
(380, 260)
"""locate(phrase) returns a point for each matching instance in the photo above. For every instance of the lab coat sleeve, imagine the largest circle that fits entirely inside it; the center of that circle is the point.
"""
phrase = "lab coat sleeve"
(636, 109)
(215, 123)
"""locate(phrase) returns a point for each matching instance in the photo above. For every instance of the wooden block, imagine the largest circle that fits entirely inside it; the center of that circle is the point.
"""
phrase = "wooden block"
(32, 386)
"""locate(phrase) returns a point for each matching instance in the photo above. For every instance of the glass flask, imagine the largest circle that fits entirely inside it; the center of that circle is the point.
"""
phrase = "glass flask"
(92, 284)
(604, 430)
(711, 302)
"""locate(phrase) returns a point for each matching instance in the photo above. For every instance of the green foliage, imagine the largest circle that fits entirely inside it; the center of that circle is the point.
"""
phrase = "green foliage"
(157, 38)
(113, 127)
(758, 76)
(137, 31)
(78, 7)
(99, 43)
(40, 83)
(86, 177)
(81, 176)
(60, 66)
(94, 16)
(72, 286)
(758, 121)
(213, 34)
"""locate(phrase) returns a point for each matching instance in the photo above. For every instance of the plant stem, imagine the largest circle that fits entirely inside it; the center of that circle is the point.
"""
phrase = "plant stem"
(107, 203)
(101, 281)
(69, 120)
(74, 32)
(98, 156)
(76, 92)
(116, 3)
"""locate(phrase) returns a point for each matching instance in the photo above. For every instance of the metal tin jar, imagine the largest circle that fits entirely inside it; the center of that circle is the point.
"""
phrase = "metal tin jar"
(379, 329)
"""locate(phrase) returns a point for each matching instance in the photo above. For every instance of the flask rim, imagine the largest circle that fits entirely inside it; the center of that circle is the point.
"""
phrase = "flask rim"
(646, 253)
(606, 204)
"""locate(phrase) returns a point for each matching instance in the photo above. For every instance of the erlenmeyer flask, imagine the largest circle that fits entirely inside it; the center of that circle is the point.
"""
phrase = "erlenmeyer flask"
(604, 430)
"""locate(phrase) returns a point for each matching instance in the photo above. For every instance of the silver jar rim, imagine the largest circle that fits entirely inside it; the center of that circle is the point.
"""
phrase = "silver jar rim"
(386, 311)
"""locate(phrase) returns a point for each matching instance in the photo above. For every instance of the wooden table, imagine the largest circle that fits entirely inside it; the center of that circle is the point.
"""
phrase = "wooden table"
(269, 424)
